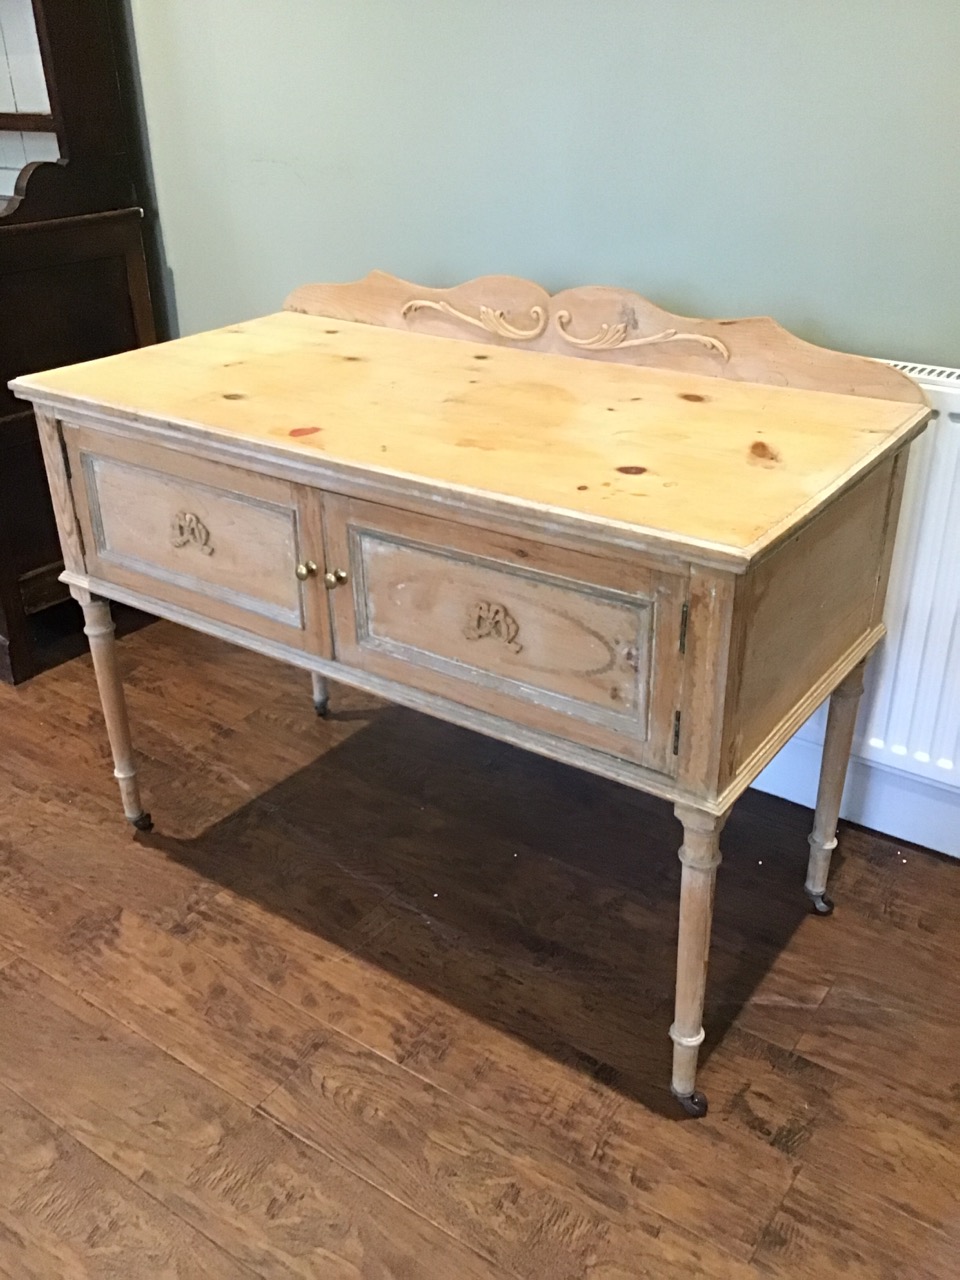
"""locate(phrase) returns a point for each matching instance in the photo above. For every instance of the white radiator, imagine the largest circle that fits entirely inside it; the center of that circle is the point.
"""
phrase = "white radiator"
(904, 777)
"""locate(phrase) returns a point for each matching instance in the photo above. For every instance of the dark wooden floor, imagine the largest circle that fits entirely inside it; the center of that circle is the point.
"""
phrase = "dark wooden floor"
(381, 998)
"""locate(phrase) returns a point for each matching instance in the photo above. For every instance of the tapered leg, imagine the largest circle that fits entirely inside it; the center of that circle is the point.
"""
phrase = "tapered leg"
(99, 630)
(833, 770)
(321, 694)
(700, 856)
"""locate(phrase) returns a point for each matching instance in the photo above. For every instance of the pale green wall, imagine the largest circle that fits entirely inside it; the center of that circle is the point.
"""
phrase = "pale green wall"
(794, 157)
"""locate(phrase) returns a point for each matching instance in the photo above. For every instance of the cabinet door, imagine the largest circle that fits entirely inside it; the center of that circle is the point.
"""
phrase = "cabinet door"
(578, 645)
(214, 539)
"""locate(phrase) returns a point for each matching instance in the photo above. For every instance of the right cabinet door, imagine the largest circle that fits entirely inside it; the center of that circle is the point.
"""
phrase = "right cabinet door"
(582, 646)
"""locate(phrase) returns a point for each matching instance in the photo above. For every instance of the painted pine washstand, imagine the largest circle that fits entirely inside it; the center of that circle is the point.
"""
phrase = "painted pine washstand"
(646, 545)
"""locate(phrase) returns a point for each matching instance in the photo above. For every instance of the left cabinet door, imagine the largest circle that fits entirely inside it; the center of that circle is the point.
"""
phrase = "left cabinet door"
(221, 542)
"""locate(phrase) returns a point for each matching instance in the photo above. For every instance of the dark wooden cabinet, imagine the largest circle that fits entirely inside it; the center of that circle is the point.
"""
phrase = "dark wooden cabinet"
(73, 286)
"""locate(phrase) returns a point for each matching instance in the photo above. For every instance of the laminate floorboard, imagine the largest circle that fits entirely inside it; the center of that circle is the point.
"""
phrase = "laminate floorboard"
(380, 998)
(65, 1212)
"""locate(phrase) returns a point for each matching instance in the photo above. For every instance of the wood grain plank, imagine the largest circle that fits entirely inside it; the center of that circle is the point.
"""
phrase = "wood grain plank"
(28, 1252)
(64, 1212)
(903, 1152)
(178, 748)
(490, 1187)
(300, 859)
(587, 1122)
(75, 839)
(213, 1019)
(908, 893)
(667, 452)
(907, 1049)
(557, 962)
(279, 1206)
(825, 1228)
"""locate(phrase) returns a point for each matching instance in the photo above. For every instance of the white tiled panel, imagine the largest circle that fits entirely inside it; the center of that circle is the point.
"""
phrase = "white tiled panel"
(22, 83)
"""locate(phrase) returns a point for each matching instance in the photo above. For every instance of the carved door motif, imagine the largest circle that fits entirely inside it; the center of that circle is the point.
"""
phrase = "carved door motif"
(188, 529)
(495, 621)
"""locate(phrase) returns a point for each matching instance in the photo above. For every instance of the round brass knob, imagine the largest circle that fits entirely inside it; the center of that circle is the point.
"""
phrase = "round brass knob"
(306, 570)
(334, 577)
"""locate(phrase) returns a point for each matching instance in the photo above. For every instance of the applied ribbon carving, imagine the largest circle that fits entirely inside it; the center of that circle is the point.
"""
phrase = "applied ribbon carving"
(495, 621)
(188, 529)
(613, 337)
(490, 320)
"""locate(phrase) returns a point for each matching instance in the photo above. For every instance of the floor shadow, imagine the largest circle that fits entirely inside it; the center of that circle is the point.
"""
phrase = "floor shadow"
(533, 896)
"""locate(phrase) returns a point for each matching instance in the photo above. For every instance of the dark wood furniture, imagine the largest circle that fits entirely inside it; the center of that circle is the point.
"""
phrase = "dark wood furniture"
(73, 286)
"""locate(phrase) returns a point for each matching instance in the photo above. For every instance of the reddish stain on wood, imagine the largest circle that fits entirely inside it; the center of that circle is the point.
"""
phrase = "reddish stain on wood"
(304, 431)
(763, 452)
(691, 395)
(631, 471)
(582, 487)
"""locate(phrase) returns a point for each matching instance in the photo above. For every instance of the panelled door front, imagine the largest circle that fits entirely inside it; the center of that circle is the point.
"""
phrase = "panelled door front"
(563, 641)
(239, 547)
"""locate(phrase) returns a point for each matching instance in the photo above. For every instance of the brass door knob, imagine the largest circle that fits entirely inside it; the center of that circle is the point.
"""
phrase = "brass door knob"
(334, 577)
(306, 570)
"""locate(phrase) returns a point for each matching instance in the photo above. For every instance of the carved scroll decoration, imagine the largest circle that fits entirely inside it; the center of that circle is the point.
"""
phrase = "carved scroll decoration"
(486, 619)
(756, 348)
(188, 529)
(613, 337)
(490, 320)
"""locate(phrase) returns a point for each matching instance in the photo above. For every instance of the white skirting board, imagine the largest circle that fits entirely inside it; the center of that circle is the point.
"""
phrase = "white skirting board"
(904, 776)
(884, 799)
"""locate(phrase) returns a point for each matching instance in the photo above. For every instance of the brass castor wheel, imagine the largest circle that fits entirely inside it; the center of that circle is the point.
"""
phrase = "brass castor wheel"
(694, 1104)
(143, 822)
(822, 905)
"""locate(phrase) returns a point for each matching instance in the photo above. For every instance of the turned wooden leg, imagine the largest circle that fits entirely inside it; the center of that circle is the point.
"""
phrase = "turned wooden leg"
(700, 856)
(99, 630)
(321, 694)
(833, 770)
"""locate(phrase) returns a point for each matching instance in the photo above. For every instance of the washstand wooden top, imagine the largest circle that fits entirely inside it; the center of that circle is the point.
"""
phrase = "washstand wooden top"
(714, 455)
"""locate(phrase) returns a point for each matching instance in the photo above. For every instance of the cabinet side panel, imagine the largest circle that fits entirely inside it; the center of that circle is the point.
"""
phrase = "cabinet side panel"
(54, 460)
(707, 647)
(894, 503)
(804, 607)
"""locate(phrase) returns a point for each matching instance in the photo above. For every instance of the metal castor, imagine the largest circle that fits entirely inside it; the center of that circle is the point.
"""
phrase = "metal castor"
(143, 822)
(321, 695)
(694, 1104)
(822, 905)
